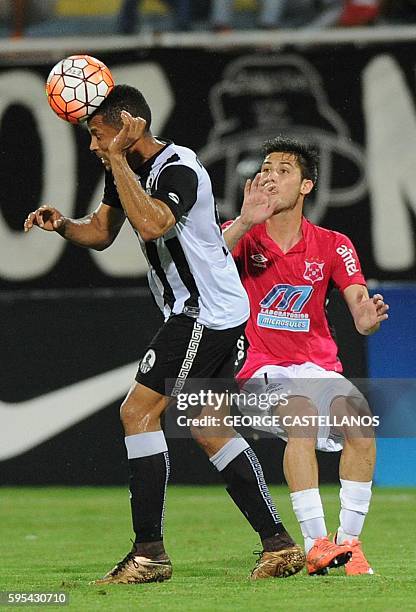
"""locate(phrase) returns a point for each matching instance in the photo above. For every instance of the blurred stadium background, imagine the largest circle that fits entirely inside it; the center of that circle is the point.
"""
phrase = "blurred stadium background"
(74, 322)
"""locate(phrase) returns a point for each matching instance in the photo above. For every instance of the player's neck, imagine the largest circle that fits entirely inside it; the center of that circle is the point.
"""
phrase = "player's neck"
(145, 149)
(285, 228)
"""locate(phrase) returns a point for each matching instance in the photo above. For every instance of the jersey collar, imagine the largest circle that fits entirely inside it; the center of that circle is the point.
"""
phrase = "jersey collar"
(299, 247)
(150, 163)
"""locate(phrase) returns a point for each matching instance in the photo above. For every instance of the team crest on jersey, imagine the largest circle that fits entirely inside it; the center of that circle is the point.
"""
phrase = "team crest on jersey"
(259, 260)
(147, 362)
(313, 271)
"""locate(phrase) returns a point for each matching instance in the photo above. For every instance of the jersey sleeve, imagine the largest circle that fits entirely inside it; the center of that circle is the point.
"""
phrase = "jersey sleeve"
(346, 269)
(110, 196)
(238, 249)
(177, 187)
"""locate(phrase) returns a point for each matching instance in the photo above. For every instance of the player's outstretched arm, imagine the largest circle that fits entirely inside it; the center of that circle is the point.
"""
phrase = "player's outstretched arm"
(95, 231)
(368, 312)
(257, 208)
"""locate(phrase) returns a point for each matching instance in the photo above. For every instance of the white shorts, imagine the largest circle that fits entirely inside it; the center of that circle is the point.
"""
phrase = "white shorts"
(306, 380)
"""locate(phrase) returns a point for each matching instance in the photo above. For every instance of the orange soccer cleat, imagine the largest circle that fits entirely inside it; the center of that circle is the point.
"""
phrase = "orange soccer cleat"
(358, 564)
(325, 554)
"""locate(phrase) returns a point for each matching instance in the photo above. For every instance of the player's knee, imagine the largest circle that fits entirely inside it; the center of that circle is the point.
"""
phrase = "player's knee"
(363, 444)
(198, 435)
(354, 406)
(205, 441)
(130, 414)
(138, 416)
(354, 415)
(301, 443)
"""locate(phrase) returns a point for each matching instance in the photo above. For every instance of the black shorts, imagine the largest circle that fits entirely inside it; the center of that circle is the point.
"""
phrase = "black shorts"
(184, 349)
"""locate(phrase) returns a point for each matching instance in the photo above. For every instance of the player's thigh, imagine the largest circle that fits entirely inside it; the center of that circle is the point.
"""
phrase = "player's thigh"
(213, 372)
(298, 417)
(276, 404)
(322, 387)
(306, 381)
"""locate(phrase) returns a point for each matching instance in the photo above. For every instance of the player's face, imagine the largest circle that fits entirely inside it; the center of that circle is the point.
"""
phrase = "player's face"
(281, 174)
(101, 136)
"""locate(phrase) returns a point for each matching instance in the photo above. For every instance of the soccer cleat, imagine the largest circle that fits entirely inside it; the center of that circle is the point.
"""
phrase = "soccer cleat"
(358, 564)
(325, 554)
(279, 564)
(134, 569)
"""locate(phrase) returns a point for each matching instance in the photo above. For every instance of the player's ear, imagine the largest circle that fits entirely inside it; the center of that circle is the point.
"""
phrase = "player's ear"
(306, 186)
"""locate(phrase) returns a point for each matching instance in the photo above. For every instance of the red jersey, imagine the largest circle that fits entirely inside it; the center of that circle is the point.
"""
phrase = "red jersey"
(287, 293)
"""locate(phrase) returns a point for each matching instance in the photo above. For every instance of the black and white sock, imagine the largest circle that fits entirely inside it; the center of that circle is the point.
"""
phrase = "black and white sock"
(243, 474)
(149, 472)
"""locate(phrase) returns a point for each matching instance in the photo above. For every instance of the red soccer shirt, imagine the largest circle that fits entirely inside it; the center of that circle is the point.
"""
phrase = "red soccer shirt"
(287, 293)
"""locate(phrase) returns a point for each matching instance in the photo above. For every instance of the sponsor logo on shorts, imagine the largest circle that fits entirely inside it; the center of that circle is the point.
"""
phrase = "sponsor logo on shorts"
(147, 362)
(348, 258)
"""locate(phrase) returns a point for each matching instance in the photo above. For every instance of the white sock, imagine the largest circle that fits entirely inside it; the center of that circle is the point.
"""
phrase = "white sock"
(355, 501)
(145, 444)
(228, 452)
(307, 506)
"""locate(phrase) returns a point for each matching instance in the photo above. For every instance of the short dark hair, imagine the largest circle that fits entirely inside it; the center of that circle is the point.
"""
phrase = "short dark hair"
(306, 155)
(123, 97)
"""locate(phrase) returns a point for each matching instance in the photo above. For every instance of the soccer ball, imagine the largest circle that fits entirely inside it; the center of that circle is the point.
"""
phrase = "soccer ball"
(76, 86)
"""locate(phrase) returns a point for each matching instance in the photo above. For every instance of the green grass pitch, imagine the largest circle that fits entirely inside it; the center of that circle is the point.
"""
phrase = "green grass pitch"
(58, 539)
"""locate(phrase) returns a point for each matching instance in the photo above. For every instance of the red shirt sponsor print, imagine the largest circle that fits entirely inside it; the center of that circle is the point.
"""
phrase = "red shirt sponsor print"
(287, 293)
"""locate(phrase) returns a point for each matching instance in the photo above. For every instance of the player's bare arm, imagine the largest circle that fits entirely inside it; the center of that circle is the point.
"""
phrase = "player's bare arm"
(152, 218)
(257, 208)
(95, 231)
(368, 312)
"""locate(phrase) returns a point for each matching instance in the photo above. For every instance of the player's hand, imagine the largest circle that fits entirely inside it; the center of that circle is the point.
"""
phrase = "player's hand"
(132, 131)
(370, 313)
(257, 204)
(46, 217)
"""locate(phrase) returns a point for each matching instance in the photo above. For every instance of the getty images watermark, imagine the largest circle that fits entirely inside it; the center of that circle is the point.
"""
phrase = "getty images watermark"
(323, 405)
(257, 410)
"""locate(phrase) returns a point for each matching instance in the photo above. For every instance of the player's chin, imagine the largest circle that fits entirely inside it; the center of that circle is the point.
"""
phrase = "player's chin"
(283, 206)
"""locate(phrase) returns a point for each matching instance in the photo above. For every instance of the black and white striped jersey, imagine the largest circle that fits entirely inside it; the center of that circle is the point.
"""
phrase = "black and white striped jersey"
(190, 268)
